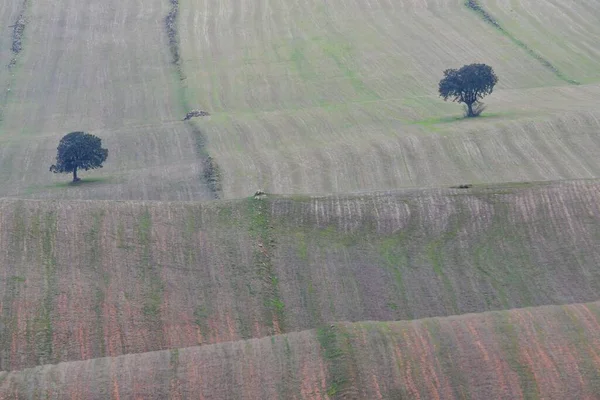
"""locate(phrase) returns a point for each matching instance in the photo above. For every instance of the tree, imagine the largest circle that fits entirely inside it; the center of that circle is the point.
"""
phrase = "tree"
(468, 85)
(79, 150)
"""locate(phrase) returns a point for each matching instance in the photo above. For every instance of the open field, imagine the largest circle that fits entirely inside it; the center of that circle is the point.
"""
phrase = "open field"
(86, 279)
(566, 33)
(305, 97)
(319, 97)
(103, 68)
(547, 352)
(9, 13)
(365, 272)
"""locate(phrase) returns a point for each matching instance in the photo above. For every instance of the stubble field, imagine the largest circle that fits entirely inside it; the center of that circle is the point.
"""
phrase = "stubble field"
(85, 279)
(319, 97)
(158, 277)
(103, 68)
(546, 352)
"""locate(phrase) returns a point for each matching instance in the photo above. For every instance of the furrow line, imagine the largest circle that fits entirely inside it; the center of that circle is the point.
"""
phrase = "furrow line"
(476, 6)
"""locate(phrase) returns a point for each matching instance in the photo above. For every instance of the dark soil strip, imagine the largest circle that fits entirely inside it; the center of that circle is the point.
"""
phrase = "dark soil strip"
(17, 35)
(211, 173)
(487, 17)
(171, 25)
(336, 351)
(16, 47)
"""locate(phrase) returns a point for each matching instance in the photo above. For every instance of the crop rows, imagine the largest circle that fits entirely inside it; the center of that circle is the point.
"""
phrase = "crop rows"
(91, 279)
(103, 68)
(313, 97)
(564, 32)
(546, 352)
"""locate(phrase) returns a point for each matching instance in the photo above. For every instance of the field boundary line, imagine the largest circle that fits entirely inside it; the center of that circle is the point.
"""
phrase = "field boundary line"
(211, 173)
(475, 6)
(333, 338)
(18, 31)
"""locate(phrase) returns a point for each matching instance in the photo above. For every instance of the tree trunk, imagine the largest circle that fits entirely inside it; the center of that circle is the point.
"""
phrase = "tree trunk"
(470, 110)
(75, 178)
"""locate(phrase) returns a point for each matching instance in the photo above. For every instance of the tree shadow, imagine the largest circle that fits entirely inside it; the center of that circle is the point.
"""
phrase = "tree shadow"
(82, 182)
(462, 118)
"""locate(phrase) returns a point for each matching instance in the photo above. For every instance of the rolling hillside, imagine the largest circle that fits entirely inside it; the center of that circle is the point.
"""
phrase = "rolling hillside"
(546, 352)
(92, 279)
(319, 97)
(365, 272)
(104, 68)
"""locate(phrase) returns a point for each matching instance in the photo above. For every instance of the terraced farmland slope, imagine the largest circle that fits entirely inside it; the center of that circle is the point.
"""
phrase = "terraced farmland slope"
(547, 352)
(89, 279)
(318, 97)
(105, 293)
(103, 67)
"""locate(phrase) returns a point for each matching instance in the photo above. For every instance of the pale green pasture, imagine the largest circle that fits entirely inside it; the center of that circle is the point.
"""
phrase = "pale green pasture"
(566, 33)
(104, 68)
(342, 96)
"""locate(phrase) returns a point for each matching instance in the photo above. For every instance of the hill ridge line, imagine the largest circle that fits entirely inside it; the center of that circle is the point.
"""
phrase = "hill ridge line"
(330, 324)
(475, 188)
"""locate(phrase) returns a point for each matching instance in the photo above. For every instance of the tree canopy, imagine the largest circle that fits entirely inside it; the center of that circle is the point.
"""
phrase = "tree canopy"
(468, 85)
(79, 150)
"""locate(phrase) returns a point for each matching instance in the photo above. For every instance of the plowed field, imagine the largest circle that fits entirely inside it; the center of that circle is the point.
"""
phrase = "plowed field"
(546, 352)
(91, 279)
(400, 251)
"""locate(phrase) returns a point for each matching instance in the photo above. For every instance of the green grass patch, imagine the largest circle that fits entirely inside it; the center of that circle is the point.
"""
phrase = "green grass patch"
(32, 189)
(92, 243)
(393, 250)
(260, 230)
(144, 232)
(508, 337)
(449, 119)
(334, 356)
(150, 274)
(443, 347)
(83, 181)
(201, 315)
(40, 336)
(435, 251)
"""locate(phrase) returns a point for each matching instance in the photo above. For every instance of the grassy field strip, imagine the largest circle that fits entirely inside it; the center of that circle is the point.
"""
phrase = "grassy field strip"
(149, 162)
(9, 12)
(564, 32)
(316, 156)
(86, 279)
(544, 352)
(285, 56)
(311, 97)
(104, 68)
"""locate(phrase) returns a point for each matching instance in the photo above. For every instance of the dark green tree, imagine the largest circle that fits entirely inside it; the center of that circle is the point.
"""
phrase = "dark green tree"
(79, 150)
(468, 85)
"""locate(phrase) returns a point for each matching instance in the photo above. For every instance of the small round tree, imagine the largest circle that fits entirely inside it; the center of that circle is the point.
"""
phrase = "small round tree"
(468, 85)
(79, 150)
